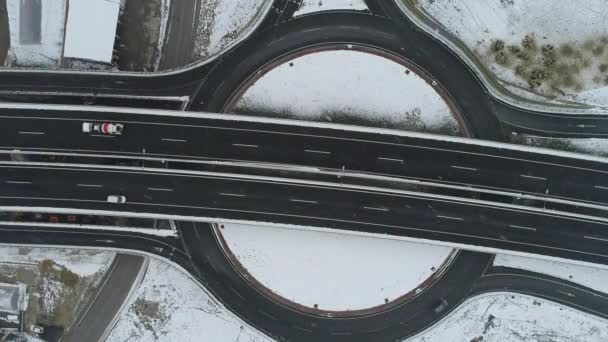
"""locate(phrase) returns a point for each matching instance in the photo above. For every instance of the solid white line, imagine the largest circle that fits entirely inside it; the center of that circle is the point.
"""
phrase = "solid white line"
(245, 145)
(533, 177)
(377, 209)
(102, 135)
(601, 187)
(31, 133)
(317, 151)
(463, 168)
(450, 218)
(233, 195)
(151, 231)
(302, 201)
(391, 159)
(18, 182)
(90, 185)
(174, 140)
(595, 238)
(160, 189)
(521, 227)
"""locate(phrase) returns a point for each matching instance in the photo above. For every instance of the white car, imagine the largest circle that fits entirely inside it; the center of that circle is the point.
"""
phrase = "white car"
(117, 199)
(108, 128)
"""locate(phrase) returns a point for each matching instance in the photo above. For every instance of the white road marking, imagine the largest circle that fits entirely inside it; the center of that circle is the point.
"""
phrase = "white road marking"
(450, 218)
(302, 201)
(601, 187)
(90, 185)
(521, 227)
(18, 182)
(233, 195)
(317, 151)
(246, 145)
(31, 133)
(595, 238)
(391, 159)
(160, 189)
(463, 168)
(375, 208)
(103, 136)
(533, 177)
(174, 140)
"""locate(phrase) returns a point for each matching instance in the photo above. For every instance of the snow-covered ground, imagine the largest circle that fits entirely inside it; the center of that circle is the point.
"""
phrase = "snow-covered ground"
(502, 317)
(221, 23)
(595, 278)
(80, 261)
(310, 6)
(557, 48)
(170, 306)
(47, 52)
(350, 87)
(337, 272)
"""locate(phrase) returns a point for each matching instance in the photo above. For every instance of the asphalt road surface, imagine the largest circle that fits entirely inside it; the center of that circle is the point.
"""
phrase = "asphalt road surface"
(181, 31)
(95, 320)
(449, 162)
(212, 196)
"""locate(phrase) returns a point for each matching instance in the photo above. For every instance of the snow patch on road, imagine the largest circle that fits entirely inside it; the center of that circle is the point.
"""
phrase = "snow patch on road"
(359, 86)
(499, 317)
(170, 306)
(335, 271)
(594, 278)
(556, 48)
(311, 6)
(592, 146)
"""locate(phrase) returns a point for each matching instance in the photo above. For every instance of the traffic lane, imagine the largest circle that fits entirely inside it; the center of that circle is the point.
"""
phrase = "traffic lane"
(331, 207)
(106, 303)
(403, 160)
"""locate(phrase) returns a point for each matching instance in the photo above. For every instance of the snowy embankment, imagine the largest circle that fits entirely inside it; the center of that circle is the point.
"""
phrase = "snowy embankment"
(222, 23)
(82, 262)
(310, 6)
(350, 87)
(553, 48)
(594, 278)
(335, 272)
(500, 317)
(170, 306)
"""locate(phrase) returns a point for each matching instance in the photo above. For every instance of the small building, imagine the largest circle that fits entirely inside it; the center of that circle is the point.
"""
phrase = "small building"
(62, 33)
(13, 302)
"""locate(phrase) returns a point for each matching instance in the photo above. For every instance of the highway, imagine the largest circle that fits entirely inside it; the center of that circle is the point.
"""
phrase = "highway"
(447, 161)
(215, 196)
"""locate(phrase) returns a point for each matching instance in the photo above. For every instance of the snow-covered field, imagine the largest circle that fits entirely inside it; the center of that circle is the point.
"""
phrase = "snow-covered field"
(507, 317)
(170, 306)
(337, 272)
(221, 23)
(595, 278)
(350, 86)
(310, 6)
(555, 48)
